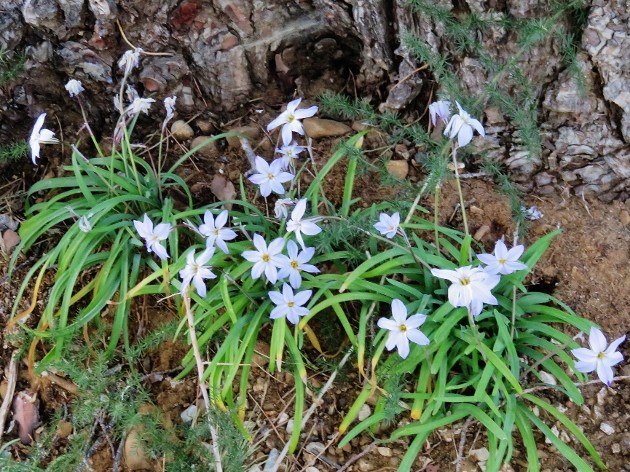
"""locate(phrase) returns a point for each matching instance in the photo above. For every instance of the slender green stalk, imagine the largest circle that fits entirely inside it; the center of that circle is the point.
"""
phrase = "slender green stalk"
(462, 204)
(436, 210)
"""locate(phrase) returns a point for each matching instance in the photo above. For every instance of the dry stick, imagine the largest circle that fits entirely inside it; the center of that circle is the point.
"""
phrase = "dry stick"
(8, 398)
(119, 452)
(358, 456)
(314, 406)
(462, 443)
(202, 386)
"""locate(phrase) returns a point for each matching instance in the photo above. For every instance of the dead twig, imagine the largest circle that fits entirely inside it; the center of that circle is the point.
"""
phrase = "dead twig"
(202, 386)
(358, 456)
(8, 398)
(462, 443)
(119, 452)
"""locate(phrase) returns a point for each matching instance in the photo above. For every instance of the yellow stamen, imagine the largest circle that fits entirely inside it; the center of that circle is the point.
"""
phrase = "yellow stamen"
(265, 258)
(402, 328)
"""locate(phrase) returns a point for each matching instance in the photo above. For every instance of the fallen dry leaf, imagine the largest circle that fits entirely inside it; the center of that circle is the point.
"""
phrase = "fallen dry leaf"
(10, 239)
(26, 414)
(223, 189)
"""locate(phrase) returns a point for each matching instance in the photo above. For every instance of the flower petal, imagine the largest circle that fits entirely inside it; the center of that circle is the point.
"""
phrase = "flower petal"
(605, 373)
(276, 246)
(451, 275)
(301, 298)
(465, 135)
(276, 298)
(585, 355)
(615, 344)
(585, 367)
(416, 320)
(403, 346)
(597, 340)
(287, 134)
(305, 112)
(386, 323)
(399, 311)
(418, 337)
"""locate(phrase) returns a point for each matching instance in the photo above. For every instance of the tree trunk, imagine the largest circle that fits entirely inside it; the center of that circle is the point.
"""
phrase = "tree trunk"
(221, 54)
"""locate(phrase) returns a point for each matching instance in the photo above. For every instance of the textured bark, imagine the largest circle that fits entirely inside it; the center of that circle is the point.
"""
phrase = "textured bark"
(225, 52)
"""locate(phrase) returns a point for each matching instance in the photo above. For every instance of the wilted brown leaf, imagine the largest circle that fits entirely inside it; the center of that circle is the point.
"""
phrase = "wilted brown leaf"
(10, 239)
(223, 189)
(26, 414)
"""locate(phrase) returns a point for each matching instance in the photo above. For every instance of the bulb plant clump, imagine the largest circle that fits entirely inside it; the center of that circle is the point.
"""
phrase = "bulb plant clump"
(464, 337)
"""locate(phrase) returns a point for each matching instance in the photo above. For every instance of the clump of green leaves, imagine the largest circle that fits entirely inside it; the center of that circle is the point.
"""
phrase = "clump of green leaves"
(11, 65)
(13, 152)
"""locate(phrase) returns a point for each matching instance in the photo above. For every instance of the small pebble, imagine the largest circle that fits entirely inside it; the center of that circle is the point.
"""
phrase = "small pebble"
(364, 412)
(384, 451)
(181, 130)
(480, 454)
(607, 429)
(398, 169)
(188, 414)
(616, 448)
(322, 128)
(547, 378)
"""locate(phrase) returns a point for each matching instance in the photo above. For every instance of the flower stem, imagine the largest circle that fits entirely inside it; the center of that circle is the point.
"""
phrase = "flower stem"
(436, 219)
(459, 191)
(202, 386)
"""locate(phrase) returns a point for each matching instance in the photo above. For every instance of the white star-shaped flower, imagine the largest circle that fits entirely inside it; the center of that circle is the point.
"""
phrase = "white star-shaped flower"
(290, 120)
(403, 329)
(265, 259)
(74, 87)
(281, 207)
(470, 287)
(289, 152)
(129, 60)
(214, 230)
(599, 358)
(270, 177)
(503, 261)
(388, 225)
(140, 105)
(462, 125)
(169, 106)
(197, 270)
(295, 263)
(298, 225)
(289, 304)
(440, 110)
(40, 136)
(153, 236)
